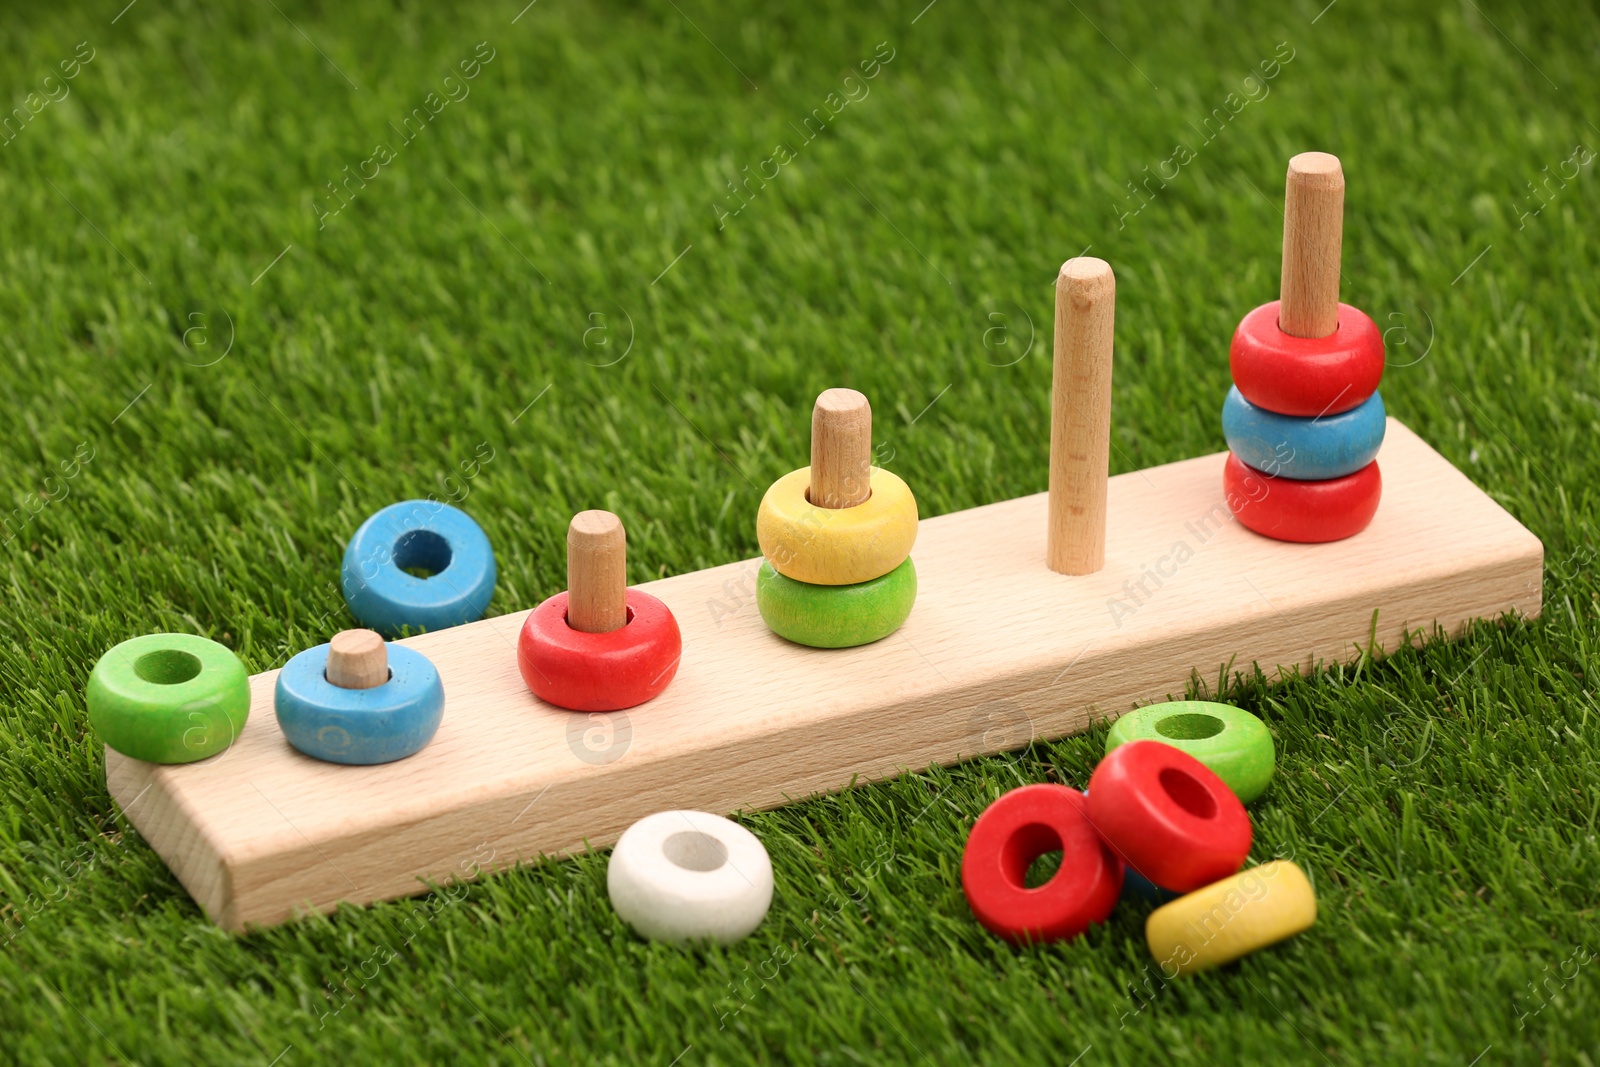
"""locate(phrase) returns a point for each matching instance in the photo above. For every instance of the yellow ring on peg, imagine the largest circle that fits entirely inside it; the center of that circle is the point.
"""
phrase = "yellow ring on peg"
(836, 546)
(1231, 918)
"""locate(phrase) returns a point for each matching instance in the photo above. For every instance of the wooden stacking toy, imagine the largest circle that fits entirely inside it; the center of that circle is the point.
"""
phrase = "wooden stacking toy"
(168, 698)
(600, 645)
(680, 876)
(413, 535)
(357, 700)
(1304, 420)
(1045, 611)
(837, 537)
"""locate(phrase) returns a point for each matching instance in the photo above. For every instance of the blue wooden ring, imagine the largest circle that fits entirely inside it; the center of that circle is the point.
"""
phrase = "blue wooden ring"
(359, 726)
(1303, 450)
(419, 534)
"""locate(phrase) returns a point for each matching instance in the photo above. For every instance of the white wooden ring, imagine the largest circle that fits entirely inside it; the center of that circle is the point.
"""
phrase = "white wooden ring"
(680, 876)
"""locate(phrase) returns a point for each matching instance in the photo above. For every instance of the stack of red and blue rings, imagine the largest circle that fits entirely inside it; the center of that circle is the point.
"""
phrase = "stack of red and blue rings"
(1304, 422)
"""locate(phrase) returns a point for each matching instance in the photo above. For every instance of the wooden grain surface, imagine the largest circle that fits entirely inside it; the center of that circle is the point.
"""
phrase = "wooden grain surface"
(1313, 244)
(1080, 415)
(597, 572)
(261, 831)
(841, 449)
(357, 659)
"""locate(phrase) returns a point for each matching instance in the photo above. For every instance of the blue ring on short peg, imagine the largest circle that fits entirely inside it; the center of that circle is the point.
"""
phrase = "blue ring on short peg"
(359, 726)
(1303, 450)
(425, 535)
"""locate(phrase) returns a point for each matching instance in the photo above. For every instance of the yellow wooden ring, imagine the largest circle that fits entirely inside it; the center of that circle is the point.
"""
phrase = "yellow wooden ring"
(1231, 918)
(836, 546)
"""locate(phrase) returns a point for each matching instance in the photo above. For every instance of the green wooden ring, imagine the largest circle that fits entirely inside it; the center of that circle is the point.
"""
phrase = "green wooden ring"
(169, 698)
(836, 616)
(1235, 744)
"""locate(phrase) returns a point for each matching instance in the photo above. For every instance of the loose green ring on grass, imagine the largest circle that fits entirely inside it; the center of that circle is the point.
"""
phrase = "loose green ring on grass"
(1234, 743)
(169, 698)
(836, 616)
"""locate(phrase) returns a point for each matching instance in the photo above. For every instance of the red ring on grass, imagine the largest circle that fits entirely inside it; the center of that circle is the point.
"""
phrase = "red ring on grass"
(1017, 829)
(1168, 816)
(1308, 512)
(1306, 376)
(599, 672)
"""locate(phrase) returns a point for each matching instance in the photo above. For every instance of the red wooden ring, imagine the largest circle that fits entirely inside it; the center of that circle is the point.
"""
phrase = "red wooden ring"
(1167, 815)
(1307, 376)
(1307, 512)
(1017, 829)
(599, 672)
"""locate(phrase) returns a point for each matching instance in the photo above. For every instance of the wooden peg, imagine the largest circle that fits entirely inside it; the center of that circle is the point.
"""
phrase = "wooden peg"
(597, 573)
(1313, 239)
(1080, 416)
(841, 449)
(357, 659)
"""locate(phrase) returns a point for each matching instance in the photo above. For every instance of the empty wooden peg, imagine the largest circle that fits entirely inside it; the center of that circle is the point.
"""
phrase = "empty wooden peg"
(597, 573)
(841, 449)
(1080, 416)
(1313, 238)
(357, 659)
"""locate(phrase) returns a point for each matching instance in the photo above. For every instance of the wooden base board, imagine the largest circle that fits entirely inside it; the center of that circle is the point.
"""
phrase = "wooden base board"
(999, 650)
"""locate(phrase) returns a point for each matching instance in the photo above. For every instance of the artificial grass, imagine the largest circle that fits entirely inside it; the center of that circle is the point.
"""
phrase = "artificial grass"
(566, 285)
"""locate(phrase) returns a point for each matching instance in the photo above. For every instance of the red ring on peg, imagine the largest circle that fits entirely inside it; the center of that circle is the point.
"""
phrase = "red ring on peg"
(599, 672)
(1017, 829)
(1306, 376)
(1305, 512)
(1167, 815)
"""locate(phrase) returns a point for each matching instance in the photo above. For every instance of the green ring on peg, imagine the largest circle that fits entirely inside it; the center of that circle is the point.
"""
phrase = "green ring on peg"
(836, 616)
(1235, 744)
(168, 698)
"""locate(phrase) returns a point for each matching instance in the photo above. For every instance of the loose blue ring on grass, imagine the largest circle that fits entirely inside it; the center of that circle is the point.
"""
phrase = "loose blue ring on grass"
(1303, 450)
(360, 726)
(418, 535)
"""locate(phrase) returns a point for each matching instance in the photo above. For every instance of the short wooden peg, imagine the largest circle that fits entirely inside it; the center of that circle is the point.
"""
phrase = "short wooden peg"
(1313, 238)
(1080, 416)
(357, 659)
(597, 573)
(841, 449)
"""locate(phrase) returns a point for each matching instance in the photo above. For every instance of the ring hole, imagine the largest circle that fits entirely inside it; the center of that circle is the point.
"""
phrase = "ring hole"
(1188, 793)
(834, 507)
(1042, 869)
(695, 851)
(390, 677)
(1190, 726)
(1032, 856)
(568, 621)
(422, 553)
(168, 666)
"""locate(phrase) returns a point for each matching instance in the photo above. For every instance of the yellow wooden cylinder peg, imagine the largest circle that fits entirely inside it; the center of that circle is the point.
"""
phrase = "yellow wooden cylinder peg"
(1231, 918)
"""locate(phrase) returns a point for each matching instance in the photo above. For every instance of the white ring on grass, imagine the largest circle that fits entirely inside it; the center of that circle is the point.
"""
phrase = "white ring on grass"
(680, 876)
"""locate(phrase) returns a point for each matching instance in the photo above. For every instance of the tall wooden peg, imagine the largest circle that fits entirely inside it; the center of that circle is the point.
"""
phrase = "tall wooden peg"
(597, 573)
(357, 659)
(1080, 416)
(1313, 239)
(841, 449)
